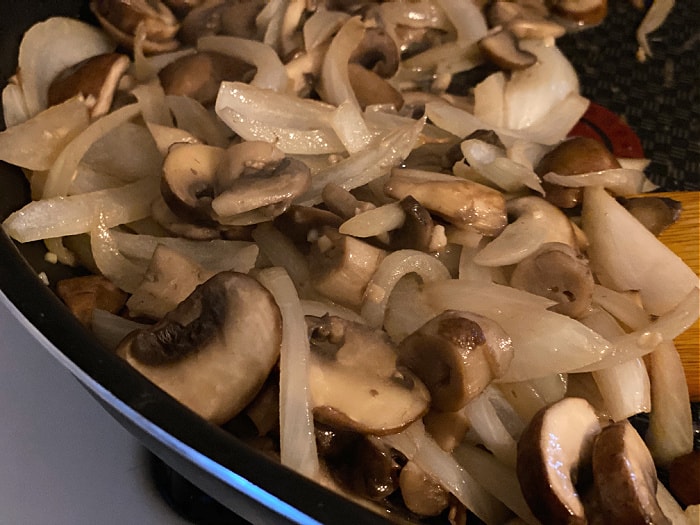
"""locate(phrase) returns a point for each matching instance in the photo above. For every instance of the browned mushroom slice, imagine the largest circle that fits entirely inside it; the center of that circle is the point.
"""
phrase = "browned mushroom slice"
(624, 477)
(456, 354)
(199, 75)
(581, 12)
(354, 380)
(377, 52)
(121, 19)
(558, 272)
(257, 176)
(203, 20)
(655, 213)
(572, 157)
(371, 89)
(189, 174)
(97, 76)
(501, 47)
(464, 203)
(555, 445)
(181, 7)
(215, 350)
(304, 224)
(342, 266)
(684, 478)
(417, 230)
(238, 18)
(83, 294)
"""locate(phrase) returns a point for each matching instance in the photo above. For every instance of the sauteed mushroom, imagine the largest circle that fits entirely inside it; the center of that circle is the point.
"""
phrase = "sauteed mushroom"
(456, 354)
(355, 382)
(501, 47)
(215, 350)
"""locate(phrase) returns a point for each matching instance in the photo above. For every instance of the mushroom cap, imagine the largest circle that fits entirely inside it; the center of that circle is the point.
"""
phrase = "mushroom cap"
(354, 380)
(572, 157)
(558, 272)
(215, 350)
(500, 46)
(557, 442)
(421, 494)
(456, 354)
(624, 477)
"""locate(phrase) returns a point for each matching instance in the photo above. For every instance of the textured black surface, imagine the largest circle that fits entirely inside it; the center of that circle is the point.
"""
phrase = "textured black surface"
(660, 98)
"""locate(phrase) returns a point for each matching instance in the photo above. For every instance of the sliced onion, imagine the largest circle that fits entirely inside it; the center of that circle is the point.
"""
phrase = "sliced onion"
(321, 26)
(14, 110)
(467, 19)
(619, 181)
(297, 437)
(654, 17)
(50, 47)
(624, 255)
(492, 434)
(270, 74)
(528, 397)
(375, 221)
(295, 125)
(88, 180)
(622, 306)
(114, 265)
(416, 445)
(215, 255)
(670, 432)
(499, 479)
(546, 342)
(151, 98)
(36, 143)
(489, 100)
(64, 169)
(61, 216)
(392, 268)
(405, 311)
(193, 117)
(491, 162)
(361, 168)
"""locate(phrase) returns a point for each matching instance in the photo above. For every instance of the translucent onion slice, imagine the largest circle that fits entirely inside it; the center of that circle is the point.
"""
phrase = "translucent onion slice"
(467, 19)
(622, 306)
(297, 437)
(321, 26)
(61, 174)
(36, 143)
(270, 73)
(151, 97)
(193, 117)
(624, 255)
(420, 448)
(392, 268)
(546, 342)
(375, 221)
(50, 47)
(14, 110)
(122, 271)
(655, 16)
(61, 216)
(491, 432)
(295, 125)
(499, 479)
(670, 432)
(215, 255)
(110, 328)
(489, 102)
(361, 168)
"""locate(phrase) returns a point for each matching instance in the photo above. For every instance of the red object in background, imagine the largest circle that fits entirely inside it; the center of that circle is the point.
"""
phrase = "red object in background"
(602, 124)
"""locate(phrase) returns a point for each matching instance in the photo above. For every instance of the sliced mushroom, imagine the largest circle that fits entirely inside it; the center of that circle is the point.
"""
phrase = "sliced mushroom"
(304, 224)
(555, 446)
(684, 478)
(199, 75)
(421, 494)
(536, 222)
(342, 266)
(361, 465)
(169, 279)
(456, 354)
(655, 213)
(121, 19)
(581, 12)
(354, 380)
(558, 272)
(239, 18)
(572, 157)
(377, 52)
(343, 203)
(624, 477)
(203, 20)
(97, 76)
(215, 350)
(466, 204)
(448, 429)
(501, 47)
(372, 89)
(83, 294)
(182, 7)
(417, 231)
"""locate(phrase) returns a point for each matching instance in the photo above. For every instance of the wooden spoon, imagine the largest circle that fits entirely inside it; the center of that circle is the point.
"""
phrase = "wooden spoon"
(683, 237)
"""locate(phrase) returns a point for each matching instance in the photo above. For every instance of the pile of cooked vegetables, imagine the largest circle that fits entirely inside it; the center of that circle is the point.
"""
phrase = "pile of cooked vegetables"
(357, 235)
